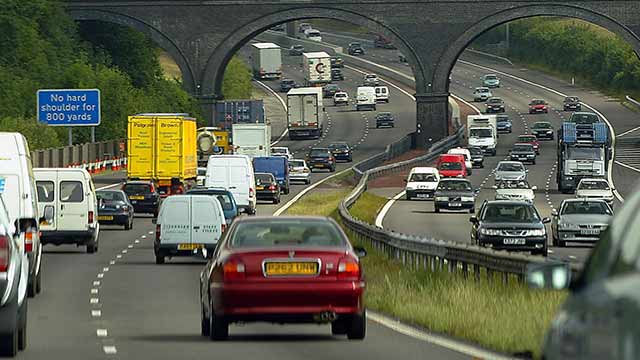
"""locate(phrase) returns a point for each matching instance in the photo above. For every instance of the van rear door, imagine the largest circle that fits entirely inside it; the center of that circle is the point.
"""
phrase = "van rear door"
(73, 204)
(47, 196)
(239, 183)
(217, 175)
(175, 220)
(206, 220)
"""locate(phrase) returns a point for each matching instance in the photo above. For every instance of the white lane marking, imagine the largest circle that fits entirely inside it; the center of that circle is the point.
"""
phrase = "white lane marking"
(386, 208)
(150, 232)
(96, 313)
(102, 332)
(627, 166)
(571, 257)
(284, 105)
(109, 349)
(130, 246)
(143, 236)
(109, 186)
(137, 241)
(94, 301)
(94, 291)
(628, 131)
(119, 256)
(112, 262)
(124, 251)
(105, 269)
(96, 283)
(439, 340)
(100, 276)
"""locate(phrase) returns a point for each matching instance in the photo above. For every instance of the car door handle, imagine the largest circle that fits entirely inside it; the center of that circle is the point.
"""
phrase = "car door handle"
(232, 187)
(196, 227)
(61, 207)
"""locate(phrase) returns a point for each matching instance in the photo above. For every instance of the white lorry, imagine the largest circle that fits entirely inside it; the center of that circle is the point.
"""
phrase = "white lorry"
(317, 68)
(305, 113)
(482, 132)
(251, 139)
(266, 61)
(366, 98)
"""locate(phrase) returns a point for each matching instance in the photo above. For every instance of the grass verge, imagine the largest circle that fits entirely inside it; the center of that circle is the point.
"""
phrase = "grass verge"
(367, 207)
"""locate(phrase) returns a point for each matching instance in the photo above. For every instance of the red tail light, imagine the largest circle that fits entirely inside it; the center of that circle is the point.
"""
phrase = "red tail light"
(28, 241)
(348, 269)
(158, 227)
(250, 192)
(233, 270)
(223, 227)
(4, 253)
(272, 187)
(152, 188)
(90, 216)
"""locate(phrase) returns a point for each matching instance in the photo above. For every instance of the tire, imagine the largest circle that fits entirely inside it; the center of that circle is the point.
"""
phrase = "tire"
(358, 328)
(308, 182)
(127, 226)
(32, 288)
(92, 247)
(39, 281)
(333, 169)
(472, 210)
(218, 328)
(276, 200)
(9, 344)
(436, 209)
(407, 197)
(562, 243)
(205, 328)
(340, 327)
(22, 331)
(159, 259)
(533, 162)
(350, 159)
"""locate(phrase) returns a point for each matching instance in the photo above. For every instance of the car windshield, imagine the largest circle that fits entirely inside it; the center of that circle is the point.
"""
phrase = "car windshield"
(449, 185)
(537, 102)
(480, 133)
(541, 125)
(475, 151)
(495, 101)
(482, 90)
(354, 44)
(513, 185)
(571, 99)
(319, 153)
(338, 147)
(593, 185)
(510, 167)
(586, 207)
(510, 213)
(584, 118)
(383, 115)
(273, 233)
(417, 177)
(339, 95)
(109, 195)
(130, 189)
(331, 87)
(450, 166)
(490, 77)
(287, 82)
(523, 148)
(262, 179)
(296, 163)
(370, 76)
(584, 153)
(526, 138)
(502, 119)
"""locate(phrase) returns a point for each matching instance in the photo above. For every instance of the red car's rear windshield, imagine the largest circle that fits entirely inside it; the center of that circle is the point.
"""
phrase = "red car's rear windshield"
(286, 233)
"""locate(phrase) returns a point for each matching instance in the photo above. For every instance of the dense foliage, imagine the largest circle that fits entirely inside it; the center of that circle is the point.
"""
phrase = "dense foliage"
(237, 80)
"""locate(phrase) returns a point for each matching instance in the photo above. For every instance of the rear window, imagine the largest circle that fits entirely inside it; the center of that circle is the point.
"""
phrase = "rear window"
(286, 233)
(510, 167)
(523, 148)
(110, 195)
(514, 213)
(541, 125)
(296, 163)
(526, 138)
(537, 102)
(134, 189)
(319, 153)
(449, 185)
(264, 179)
(593, 208)
(450, 166)
(46, 191)
(422, 178)
(71, 191)
(593, 185)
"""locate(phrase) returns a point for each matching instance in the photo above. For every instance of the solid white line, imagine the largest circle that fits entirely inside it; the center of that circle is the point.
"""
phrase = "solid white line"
(386, 208)
(284, 105)
(627, 166)
(628, 131)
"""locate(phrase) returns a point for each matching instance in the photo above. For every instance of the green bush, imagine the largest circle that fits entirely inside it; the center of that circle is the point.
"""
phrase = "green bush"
(236, 83)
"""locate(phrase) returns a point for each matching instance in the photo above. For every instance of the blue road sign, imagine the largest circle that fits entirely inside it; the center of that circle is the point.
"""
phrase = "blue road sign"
(69, 107)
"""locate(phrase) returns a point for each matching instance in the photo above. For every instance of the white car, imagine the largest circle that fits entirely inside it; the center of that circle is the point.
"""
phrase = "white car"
(340, 98)
(371, 80)
(281, 151)
(201, 176)
(467, 157)
(595, 189)
(482, 94)
(299, 171)
(422, 183)
(515, 191)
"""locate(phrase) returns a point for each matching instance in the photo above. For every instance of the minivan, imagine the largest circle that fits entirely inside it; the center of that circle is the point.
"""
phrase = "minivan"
(422, 183)
(452, 165)
(278, 166)
(20, 196)
(72, 195)
(382, 94)
(235, 173)
(188, 224)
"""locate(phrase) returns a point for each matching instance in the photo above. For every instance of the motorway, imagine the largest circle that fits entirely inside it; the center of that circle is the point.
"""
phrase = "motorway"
(118, 304)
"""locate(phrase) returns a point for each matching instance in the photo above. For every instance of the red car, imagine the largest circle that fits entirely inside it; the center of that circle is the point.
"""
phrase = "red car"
(530, 139)
(538, 106)
(284, 270)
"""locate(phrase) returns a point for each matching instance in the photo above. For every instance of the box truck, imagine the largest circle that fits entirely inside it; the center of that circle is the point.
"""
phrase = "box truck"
(317, 68)
(251, 139)
(482, 132)
(305, 113)
(266, 61)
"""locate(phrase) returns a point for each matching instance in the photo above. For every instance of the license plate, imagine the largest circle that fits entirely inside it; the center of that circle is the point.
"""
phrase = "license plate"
(136, 197)
(259, 187)
(133, 202)
(423, 195)
(514, 241)
(522, 158)
(455, 204)
(189, 246)
(290, 268)
(590, 232)
(105, 218)
(319, 165)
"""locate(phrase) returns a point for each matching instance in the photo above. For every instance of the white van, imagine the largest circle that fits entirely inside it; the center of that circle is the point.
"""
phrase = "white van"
(234, 173)
(467, 157)
(188, 224)
(366, 98)
(17, 179)
(422, 183)
(382, 94)
(71, 194)
(313, 35)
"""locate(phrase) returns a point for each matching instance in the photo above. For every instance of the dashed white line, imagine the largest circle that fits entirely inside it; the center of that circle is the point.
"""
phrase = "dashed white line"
(94, 301)
(109, 350)
(96, 313)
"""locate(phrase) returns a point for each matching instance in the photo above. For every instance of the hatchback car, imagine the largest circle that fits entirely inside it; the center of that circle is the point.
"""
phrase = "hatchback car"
(267, 187)
(299, 171)
(284, 270)
(281, 151)
(571, 103)
(224, 197)
(510, 170)
(510, 225)
(491, 81)
(296, 50)
(580, 221)
(503, 124)
(355, 49)
(329, 90)
(523, 152)
(481, 94)
(494, 105)
(543, 130)
(341, 98)
(519, 190)
(321, 158)
(337, 75)
(384, 119)
(371, 80)
(477, 156)
(287, 84)
(455, 194)
(337, 62)
(538, 106)
(530, 139)
(341, 151)
(143, 195)
(114, 208)
(597, 188)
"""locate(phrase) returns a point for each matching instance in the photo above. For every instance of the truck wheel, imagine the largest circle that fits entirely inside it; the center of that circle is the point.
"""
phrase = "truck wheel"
(358, 328)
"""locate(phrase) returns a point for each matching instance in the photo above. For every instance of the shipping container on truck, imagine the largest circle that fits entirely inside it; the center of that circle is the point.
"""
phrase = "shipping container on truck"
(231, 112)
(305, 113)
(162, 148)
(317, 68)
(251, 139)
(266, 61)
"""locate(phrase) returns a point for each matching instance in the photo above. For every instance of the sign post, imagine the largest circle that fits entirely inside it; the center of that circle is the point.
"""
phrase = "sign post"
(69, 107)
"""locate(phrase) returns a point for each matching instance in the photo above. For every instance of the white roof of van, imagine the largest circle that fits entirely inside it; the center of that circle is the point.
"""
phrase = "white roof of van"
(265, 46)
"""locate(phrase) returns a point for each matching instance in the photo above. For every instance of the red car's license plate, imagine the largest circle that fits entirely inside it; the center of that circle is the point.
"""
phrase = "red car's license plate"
(290, 268)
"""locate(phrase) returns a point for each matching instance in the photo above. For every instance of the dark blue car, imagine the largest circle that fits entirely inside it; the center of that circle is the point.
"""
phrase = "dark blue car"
(224, 196)
(278, 166)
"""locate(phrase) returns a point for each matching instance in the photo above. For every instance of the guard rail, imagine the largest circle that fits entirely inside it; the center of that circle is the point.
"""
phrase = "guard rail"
(95, 157)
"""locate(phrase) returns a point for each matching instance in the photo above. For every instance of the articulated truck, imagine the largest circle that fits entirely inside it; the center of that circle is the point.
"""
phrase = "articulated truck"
(266, 61)
(305, 113)
(316, 67)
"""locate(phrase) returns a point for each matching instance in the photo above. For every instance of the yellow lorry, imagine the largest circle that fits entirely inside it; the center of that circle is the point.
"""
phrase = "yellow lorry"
(162, 148)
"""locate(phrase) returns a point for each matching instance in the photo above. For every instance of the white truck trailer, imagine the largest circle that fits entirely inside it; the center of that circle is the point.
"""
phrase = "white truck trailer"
(317, 68)
(305, 113)
(251, 139)
(266, 61)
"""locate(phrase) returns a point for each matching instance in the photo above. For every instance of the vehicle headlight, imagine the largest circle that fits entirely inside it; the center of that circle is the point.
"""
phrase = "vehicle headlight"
(490, 232)
(536, 232)
(410, 187)
(466, 198)
(442, 198)
(565, 226)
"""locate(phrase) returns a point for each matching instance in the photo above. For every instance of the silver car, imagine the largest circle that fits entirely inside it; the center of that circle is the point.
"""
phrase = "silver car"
(299, 171)
(491, 81)
(510, 171)
(595, 189)
(580, 220)
(482, 94)
(515, 191)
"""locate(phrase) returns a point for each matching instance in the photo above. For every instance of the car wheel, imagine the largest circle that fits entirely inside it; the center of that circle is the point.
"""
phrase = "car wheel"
(562, 243)
(127, 226)
(31, 288)
(276, 200)
(358, 328)
(482, 166)
(436, 209)
(39, 281)
(533, 162)
(22, 331)
(333, 169)
(218, 327)
(308, 182)
(92, 247)
(472, 210)
(205, 328)
(407, 197)
(159, 259)
(340, 326)
(9, 344)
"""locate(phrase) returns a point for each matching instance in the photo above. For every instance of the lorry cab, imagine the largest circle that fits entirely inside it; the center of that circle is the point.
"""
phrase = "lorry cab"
(452, 165)
(366, 98)
(188, 224)
(422, 183)
(20, 196)
(278, 166)
(235, 173)
(71, 194)
(382, 94)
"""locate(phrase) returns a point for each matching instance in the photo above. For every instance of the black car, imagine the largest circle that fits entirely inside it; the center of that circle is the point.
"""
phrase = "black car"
(572, 103)
(329, 90)
(114, 208)
(477, 156)
(336, 75)
(503, 123)
(267, 187)
(337, 62)
(355, 49)
(543, 129)
(321, 158)
(341, 151)
(384, 119)
(494, 105)
(523, 153)
(287, 84)
(143, 195)
(296, 50)
(454, 194)
(510, 225)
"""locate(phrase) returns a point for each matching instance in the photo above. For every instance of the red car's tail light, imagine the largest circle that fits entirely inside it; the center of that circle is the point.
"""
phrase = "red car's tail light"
(233, 270)
(158, 227)
(28, 241)
(4, 253)
(348, 269)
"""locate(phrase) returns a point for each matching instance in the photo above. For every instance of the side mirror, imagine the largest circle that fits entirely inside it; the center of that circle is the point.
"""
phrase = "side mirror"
(473, 219)
(360, 251)
(546, 220)
(47, 216)
(154, 221)
(477, 191)
(548, 275)
(534, 187)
